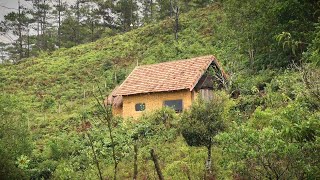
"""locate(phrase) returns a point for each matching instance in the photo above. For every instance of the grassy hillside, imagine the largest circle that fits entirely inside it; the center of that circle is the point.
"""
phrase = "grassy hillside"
(56, 88)
(64, 75)
(55, 92)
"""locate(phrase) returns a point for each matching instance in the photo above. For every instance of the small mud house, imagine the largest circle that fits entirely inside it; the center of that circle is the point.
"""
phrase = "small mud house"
(175, 84)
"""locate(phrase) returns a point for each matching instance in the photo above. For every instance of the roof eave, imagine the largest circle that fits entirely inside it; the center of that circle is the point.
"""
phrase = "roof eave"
(139, 93)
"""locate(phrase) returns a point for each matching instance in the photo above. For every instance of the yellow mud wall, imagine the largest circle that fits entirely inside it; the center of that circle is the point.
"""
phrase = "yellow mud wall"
(154, 101)
(117, 111)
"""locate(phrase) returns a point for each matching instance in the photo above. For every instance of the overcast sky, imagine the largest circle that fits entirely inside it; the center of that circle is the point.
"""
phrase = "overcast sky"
(7, 6)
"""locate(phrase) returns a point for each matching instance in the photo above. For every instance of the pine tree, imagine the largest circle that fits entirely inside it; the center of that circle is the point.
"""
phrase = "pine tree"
(128, 14)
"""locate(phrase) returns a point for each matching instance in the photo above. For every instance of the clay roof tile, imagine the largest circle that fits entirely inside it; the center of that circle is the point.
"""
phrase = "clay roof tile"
(167, 76)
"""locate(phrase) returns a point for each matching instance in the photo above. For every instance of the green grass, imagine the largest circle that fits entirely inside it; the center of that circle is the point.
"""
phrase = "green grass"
(65, 74)
(68, 78)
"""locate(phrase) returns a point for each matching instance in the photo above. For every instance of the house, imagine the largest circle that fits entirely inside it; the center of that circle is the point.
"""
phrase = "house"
(175, 84)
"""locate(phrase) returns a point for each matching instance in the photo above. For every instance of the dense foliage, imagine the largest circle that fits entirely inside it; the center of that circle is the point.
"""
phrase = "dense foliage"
(53, 126)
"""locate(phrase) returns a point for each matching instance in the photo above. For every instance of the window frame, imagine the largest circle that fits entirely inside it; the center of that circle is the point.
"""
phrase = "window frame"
(141, 109)
(177, 111)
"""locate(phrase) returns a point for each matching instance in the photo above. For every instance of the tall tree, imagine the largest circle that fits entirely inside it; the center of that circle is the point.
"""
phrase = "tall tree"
(106, 10)
(128, 14)
(68, 31)
(41, 15)
(59, 11)
(91, 21)
(16, 23)
(148, 9)
(165, 8)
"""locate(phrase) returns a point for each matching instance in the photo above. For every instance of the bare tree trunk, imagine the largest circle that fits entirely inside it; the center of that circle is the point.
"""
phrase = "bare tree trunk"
(113, 154)
(251, 57)
(177, 23)
(44, 42)
(151, 11)
(38, 24)
(135, 164)
(208, 162)
(78, 20)
(156, 164)
(107, 117)
(20, 29)
(92, 31)
(28, 41)
(94, 156)
(251, 52)
(59, 23)
(171, 9)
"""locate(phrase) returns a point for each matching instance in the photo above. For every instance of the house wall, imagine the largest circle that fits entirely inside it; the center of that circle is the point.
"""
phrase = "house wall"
(153, 101)
(117, 111)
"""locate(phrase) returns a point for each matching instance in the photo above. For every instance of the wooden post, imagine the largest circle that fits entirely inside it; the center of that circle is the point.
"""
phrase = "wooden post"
(135, 164)
(84, 97)
(156, 164)
(59, 108)
(28, 124)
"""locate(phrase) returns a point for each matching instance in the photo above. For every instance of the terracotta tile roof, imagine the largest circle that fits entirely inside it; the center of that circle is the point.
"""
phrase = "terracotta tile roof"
(167, 76)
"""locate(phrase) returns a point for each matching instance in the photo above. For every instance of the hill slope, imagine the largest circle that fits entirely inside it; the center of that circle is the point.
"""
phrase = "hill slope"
(64, 74)
(51, 98)
(57, 88)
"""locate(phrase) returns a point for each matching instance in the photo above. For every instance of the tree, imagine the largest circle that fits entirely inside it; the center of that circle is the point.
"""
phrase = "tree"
(105, 115)
(203, 121)
(148, 10)
(68, 31)
(41, 13)
(127, 11)
(17, 23)
(165, 8)
(106, 10)
(59, 11)
(91, 23)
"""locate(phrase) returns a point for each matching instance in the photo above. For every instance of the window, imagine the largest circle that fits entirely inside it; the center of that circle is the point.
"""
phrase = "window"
(140, 106)
(175, 104)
